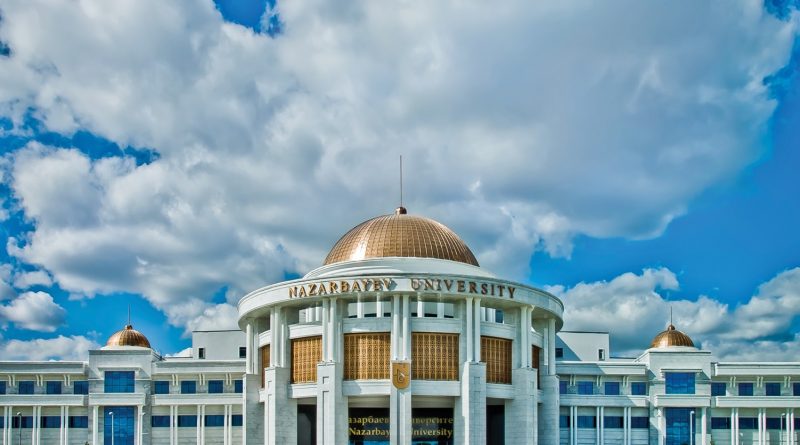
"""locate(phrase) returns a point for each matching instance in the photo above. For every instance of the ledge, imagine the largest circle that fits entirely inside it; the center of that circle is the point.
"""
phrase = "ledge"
(756, 401)
(43, 400)
(197, 399)
(117, 399)
(602, 400)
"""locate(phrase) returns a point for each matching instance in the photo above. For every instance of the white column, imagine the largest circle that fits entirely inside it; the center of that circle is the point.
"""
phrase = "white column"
(761, 426)
(66, 426)
(359, 308)
(249, 352)
(94, 426)
(420, 307)
(406, 327)
(573, 425)
(334, 330)
(703, 426)
(395, 327)
(378, 306)
(598, 412)
(469, 314)
(551, 350)
(197, 427)
(477, 331)
(524, 342)
(325, 322)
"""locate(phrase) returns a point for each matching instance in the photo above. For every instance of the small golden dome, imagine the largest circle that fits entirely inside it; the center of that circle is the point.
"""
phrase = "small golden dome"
(128, 337)
(671, 337)
(400, 235)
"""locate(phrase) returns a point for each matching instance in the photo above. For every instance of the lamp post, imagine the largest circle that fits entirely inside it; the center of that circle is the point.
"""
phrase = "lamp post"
(19, 425)
(691, 427)
(780, 436)
(111, 413)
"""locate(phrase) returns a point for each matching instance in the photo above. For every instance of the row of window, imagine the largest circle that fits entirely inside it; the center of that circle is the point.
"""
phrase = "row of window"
(46, 422)
(27, 387)
(751, 423)
(746, 389)
(191, 420)
(609, 422)
(610, 388)
(190, 387)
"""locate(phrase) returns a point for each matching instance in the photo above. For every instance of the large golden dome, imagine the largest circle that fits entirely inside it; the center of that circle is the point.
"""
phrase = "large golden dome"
(400, 235)
(128, 337)
(671, 337)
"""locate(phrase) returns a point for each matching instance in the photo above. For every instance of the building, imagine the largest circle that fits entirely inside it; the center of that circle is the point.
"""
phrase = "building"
(399, 337)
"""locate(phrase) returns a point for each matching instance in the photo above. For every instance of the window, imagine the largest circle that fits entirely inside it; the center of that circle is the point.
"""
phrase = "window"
(236, 420)
(2, 387)
(78, 422)
(50, 422)
(612, 388)
(161, 387)
(720, 423)
(773, 389)
(585, 388)
(119, 381)
(80, 387)
(563, 421)
(187, 421)
(27, 422)
(638, 388)
(242, 352)
(796, 389)
(601, 354)
(215, 387)
(745, 389)
(237, 386)
(559, 352)
(718, 388)
(748, 423)
(201, 352)
(159, 421)
(774, 423)
(215, 420)
(680, 382)
(797, 423)
(188, 387)
(562, 387)
(612, 422)
(587, 422)
(640, 422)
(26, 387)
(119, 421)
(53, 388)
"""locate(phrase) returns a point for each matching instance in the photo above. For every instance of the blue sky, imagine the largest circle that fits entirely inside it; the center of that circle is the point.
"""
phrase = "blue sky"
(644, 160)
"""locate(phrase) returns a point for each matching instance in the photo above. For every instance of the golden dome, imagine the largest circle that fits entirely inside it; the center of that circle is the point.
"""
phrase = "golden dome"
(128, 337)
(400, 235)
(671, 337)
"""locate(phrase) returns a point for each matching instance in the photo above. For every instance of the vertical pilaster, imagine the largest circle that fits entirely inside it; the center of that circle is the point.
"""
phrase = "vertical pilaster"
(280, 411)
(249, 350)
(520, 413)
(325, 323)
(468, 314)
(703, 426)
(66, 425)
(94, 426)
(396, 340)
(406, 328)
(477, 330)
(470, 407)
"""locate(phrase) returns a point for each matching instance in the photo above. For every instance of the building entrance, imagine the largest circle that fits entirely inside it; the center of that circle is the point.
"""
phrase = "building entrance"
(680, 426)
(118, 422)
(429, 426)
(306, 424)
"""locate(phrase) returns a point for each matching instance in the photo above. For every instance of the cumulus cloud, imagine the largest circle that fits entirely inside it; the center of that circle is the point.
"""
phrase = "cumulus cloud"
(183, 353)
(521, 128)
(6, 291)
(25, 280)
(632, 309)
(74, 347)
(35, 311)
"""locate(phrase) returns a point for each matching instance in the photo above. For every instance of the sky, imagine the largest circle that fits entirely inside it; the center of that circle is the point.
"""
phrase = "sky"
(629, 157)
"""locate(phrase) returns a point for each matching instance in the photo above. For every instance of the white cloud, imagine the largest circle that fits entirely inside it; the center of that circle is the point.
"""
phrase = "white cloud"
(25, 280)
(75, 347)
(183, 353)
(33, 310)
(632, 309)
(520, 128)
(6, 291)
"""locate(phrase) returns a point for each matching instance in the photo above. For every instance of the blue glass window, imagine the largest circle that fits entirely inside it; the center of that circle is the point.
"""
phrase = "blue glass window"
(78, 422)
(27, 421)
(2, 423)
(26, 387)
(585, 388)
(80, 387)
(678, 425)
(188, 387)
(237, 386)
(720, 423)
(745, 389)
(774, 423)
(748, 423)
(612, 422)
(242, 352)
(562, 387)
(236, 420)
(187, 421)
(159, 421)
(121, 423)
(161, 387)
(612, 388)
(559, 352)
(640, 422)
(215, 420)
(53, 388)
(680, 382)
(2, 387)
(215, 386)
(797, 423)
(50, 422)
(718, 388)
(796, 389)
(563, 421)
(772, 388)
(638, 389)
(119, 381)
(587, 422)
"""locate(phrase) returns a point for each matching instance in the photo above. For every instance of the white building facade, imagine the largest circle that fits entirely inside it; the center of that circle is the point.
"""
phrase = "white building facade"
(400, 337)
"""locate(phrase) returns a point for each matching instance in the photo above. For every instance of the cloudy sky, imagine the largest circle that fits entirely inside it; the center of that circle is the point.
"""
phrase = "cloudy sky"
(628, 156)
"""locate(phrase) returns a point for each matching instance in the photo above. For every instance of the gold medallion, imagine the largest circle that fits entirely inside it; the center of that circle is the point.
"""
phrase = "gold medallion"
(401, 374)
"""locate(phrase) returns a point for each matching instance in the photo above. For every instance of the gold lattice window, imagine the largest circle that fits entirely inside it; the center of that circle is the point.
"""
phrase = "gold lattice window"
(496, 353)
(306, 353)
(366, 356)
(434, 356)
(264, 363)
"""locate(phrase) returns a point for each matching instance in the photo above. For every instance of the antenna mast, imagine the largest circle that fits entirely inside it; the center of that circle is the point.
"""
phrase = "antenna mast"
(401, 210)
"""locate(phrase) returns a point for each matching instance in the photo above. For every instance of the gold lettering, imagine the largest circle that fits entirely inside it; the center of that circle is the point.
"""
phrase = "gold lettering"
(345, 286)
(387, 283)
(492, 288)
(302, 292)
(511, 291)
(333, 287)
(472, 289)
(501, 287)
(312, 290)
(366, 285)
(415, 284)
(428, 284)
(356, 287)
(484, 288)
(322, 290)
(377, 285)
(448, 284)
(461, 287)
(293, 292)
